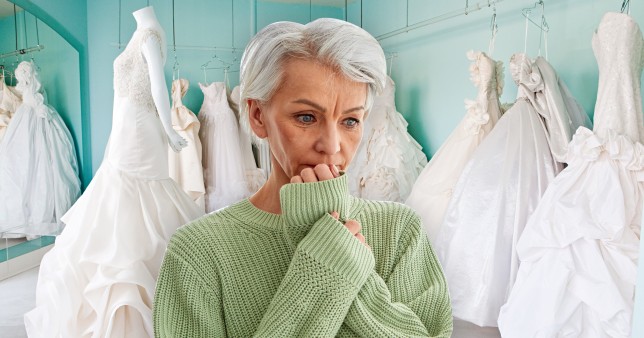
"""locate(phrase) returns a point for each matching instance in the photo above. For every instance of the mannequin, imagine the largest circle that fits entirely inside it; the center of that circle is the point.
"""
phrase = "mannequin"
(99, 278)
(147, 19)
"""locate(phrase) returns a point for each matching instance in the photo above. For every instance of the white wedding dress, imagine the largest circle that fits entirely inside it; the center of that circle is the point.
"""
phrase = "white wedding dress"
(388, 159)
(99, 278)
(223, 163)
(9, 102)
(38, 168)
(498, 190)
(432, 190)
(185, 166)
(579, 250)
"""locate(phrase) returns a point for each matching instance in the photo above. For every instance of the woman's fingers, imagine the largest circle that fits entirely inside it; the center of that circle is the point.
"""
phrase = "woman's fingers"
(360, 237)
(353, 226)
(320, 172)
(323, 172)
(308, 175)
(296, 179)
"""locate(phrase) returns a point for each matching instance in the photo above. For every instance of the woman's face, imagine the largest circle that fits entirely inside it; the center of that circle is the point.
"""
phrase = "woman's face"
(315, 117)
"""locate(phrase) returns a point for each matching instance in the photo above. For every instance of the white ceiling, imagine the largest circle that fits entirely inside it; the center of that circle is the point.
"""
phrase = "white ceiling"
(6, 8)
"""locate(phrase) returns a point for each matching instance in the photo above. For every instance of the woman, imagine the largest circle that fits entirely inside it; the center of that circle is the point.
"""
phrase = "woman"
(302, 257)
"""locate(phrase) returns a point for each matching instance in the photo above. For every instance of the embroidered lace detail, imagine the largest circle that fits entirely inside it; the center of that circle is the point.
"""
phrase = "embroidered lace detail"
(131, 76)
(619, 48)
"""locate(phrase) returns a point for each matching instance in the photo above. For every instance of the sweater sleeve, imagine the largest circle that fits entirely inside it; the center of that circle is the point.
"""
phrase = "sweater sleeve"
(328, 267)
(414, 302)
(184, 304)
(325, 275)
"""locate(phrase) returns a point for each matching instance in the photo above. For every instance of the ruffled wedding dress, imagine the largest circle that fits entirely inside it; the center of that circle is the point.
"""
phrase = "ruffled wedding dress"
(433, 189)
(9, 102)
(38, 168)
(185, 166)
(388, 159)
(498, 190)
(579, 250)
(99, 278)
(223, 163)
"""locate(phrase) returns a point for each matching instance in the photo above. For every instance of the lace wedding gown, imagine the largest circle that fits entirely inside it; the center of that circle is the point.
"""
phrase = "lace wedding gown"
(579, 250)
(9, 102)
(432, 190)
(223, 163)
(185, 166)
(388, 159)
(498, 190)
(38, 168)
(99, 278)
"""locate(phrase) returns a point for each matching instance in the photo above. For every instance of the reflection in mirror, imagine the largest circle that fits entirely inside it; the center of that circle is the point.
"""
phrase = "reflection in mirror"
(38, 141)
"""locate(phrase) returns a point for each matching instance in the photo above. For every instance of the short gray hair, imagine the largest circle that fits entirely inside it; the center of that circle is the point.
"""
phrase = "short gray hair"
(338, 44)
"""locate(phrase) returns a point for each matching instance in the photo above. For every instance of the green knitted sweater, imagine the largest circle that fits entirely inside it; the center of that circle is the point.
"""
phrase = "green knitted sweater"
(243, 272)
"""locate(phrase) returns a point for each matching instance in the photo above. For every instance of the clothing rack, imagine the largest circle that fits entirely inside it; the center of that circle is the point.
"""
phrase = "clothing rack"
(204, 48)
(464, 11)
(22, 51)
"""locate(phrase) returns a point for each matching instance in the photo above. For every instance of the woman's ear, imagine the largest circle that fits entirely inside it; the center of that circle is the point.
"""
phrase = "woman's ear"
(256, 118)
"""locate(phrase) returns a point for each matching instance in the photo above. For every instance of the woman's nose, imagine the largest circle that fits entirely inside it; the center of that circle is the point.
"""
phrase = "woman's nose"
(328, 141)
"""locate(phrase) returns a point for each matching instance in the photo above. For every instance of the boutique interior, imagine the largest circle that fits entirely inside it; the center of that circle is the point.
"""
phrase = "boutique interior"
(438, 53)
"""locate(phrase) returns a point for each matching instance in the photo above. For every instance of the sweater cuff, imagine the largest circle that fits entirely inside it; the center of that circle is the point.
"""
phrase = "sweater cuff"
(305, 203)
(330, 243)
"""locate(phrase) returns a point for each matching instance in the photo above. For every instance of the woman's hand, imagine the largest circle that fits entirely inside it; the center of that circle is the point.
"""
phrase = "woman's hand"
(321, 172)
(354, 228)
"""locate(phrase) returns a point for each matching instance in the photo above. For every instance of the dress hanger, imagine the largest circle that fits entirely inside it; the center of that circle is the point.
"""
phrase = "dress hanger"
(494, 28)
(175, 65)
(391, 58)
(543, 27)
(626, 6)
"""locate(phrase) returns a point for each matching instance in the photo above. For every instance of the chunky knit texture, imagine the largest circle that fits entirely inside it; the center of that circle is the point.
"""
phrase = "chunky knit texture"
(243, 272)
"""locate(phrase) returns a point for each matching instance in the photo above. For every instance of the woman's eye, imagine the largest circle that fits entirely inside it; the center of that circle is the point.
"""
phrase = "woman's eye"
(306, 118)
(351, 122)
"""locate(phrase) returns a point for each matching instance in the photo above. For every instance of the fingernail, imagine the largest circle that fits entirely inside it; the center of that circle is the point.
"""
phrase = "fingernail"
(334, 170)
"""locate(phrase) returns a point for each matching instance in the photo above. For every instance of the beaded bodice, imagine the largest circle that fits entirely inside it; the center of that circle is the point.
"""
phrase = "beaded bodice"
(131, 76)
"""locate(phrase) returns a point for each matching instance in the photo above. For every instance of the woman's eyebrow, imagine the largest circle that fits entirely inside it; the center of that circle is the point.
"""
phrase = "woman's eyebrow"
(310, 103)
(351, 110)
(322, 109)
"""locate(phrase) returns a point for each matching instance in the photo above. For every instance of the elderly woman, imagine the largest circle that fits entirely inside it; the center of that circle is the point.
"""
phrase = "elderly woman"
(301, 257)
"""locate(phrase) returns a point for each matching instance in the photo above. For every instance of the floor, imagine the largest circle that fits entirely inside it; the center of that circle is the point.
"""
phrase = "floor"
(17, 296)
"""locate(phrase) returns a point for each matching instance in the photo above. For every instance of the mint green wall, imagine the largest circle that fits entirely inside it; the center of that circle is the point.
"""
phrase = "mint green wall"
(431, 69)
(58, 62)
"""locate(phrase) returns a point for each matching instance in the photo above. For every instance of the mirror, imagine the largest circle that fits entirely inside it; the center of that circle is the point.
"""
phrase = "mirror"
(25, 38)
